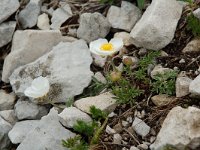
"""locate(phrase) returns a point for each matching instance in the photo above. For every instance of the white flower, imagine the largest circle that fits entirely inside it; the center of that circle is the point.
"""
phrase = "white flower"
(104, 48)
(39, 88)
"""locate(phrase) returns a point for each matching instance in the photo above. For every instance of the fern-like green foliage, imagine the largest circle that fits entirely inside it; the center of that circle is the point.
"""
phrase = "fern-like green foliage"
(141, 73)
(97, 113)
(125, 92)
(84, 128)
(193, 24)
(75, 143)
(164, 83)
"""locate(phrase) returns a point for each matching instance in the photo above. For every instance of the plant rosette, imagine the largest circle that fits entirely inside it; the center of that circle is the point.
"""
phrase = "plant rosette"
(104, 48)
(39, 88)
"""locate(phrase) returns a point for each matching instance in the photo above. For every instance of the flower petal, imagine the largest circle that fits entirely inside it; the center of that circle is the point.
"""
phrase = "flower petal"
(96, 45)
(30, 92)
(40, 83)
(117, 43)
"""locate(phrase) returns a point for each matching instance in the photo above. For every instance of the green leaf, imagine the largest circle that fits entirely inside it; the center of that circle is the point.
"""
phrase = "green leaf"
(141, 4)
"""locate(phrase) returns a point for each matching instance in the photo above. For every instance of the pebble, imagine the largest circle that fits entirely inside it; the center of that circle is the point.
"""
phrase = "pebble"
(109, 130)
(140, 127)
(43, 22)
(117, 139)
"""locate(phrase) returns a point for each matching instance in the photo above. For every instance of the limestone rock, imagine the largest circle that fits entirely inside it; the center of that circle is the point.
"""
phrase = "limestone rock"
(125, 36)
(67, 67)
(69, 116)
(182, 86)
(29, 15)
(43, 22)
(159, 70)
(9, 116)
(29, 110)
(180, 129)
(5, 127)
(105, 102)
(150, 31)
(93, 26)
(47, 135)
(99, 76)
(125, 17)
(7, 8)
(21, 129)
(29, 45)
(194, 87)
(162, 99)
(6, 32)
(140, 127)
(6, 100)
(197, 13)
(60, 15)
(192, 46)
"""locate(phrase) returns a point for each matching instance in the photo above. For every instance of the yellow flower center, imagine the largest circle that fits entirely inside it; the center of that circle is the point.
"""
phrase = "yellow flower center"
(107, 47)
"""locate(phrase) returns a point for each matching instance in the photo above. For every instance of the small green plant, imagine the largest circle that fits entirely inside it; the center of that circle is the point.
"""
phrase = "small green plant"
(125, 92)
(141, 73)
(69, 102)
(75, 143)
(164, 83)
(193, 24)
(140, 4)
(97, 114)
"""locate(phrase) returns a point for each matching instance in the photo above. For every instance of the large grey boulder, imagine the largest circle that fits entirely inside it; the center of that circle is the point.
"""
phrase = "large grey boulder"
(5, 127)
(60, 15)
(29, 110)
(47, 135)
(6, 100)
(93, 26)
(6, 32)
(69, 117)
(21, 129)
(29, 15)
(157, 26)
(180, 129)
(7, 8)
(105, 102)
(67, 67)
(125, 17)
(29, 45)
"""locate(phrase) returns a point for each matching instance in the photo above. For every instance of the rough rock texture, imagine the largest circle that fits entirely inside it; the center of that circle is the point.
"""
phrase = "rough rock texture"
(70, 115)
(125, 17)
(194, 87)
(9, 116)
(192, 46)
(29, 15)
(29, 110)
(197, 13)
(5, 127)
(179, 129)
(140, 127)
(21, 129)
(153, 31)
(125, 36)
(29, 45)
(104, 101)
(162, 99)
(67, 67)
(99, 76)
(6, 32)
(182, 86)
(60, 15)
(6, 100)
(93, 26)
(159, 70)
(43, 22)
(49, 134)
(7, 8)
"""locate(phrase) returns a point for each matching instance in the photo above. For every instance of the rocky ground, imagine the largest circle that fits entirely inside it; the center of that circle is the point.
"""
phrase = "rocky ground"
(149, 88)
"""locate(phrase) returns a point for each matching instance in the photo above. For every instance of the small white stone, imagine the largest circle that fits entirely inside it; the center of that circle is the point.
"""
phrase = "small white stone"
(112, 114)
(143, 146)
(194, 87)
(100, 77)
(140, 127)
(117, 139)
(125, 36)
(182, 61)
(134, 148)
(125, 123)
(109, 130)
(182, 86)
(129, 119)
(43, 22)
